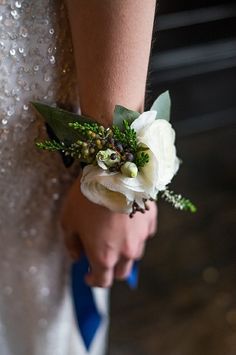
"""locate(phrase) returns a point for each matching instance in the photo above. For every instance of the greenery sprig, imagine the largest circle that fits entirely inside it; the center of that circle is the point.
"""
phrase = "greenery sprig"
(178, 201)
(142, 159)
(50, 145)
(127, 136)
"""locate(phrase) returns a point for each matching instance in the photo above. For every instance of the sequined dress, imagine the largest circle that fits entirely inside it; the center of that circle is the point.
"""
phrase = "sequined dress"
(36, 63)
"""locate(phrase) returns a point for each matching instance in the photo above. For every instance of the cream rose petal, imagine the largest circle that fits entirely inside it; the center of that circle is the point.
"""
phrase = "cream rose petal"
(97, 193)
(145, 119)
(159, 137)
(112, 190)
(150, 174)
(134, 189)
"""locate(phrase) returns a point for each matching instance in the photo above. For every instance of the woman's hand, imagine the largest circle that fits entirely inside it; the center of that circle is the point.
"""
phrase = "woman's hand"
(111, 241)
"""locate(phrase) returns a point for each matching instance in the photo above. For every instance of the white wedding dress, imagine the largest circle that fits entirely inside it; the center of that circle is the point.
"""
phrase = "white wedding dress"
(36, 63)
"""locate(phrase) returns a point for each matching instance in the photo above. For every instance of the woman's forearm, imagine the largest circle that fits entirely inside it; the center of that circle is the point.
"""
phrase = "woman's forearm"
(111, 40)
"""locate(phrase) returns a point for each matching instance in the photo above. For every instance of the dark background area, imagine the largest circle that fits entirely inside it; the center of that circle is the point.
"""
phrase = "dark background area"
(186, 300)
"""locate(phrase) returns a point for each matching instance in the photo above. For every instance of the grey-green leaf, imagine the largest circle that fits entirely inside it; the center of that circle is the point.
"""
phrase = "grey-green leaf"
(59, 119)
(162, 105)
(122, 113)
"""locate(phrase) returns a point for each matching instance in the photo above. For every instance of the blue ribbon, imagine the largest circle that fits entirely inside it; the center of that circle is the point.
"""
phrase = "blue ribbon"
(86, 312)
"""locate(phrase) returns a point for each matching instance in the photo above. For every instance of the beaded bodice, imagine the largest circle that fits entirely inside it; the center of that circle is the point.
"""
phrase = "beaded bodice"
(36, 63)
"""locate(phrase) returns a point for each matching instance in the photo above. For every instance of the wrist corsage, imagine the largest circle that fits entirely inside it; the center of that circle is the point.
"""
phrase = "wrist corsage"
(127, 164)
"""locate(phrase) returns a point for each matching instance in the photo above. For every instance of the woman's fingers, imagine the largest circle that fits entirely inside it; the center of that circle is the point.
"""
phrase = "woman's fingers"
(102, 263)
(123, 268)
(108, 266)
(98, 277)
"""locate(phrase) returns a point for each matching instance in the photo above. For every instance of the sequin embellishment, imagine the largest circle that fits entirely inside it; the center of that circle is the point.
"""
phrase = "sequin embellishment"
(36, 63)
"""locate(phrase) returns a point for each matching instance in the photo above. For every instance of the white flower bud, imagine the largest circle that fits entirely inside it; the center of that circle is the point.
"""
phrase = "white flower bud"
(129, 169)
(107, 158)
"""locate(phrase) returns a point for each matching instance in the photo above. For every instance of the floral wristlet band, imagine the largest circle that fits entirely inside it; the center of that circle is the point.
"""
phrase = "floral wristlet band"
(127, 164)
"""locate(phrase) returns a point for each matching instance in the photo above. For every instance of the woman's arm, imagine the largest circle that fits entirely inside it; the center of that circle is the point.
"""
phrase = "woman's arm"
(111, 40)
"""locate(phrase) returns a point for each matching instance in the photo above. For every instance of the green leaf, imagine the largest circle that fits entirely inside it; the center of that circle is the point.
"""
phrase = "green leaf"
(122, 113)
(162, 105)
(59, 120)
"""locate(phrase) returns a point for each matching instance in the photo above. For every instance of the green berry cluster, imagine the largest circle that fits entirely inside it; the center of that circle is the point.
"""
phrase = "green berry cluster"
(85, 149)
(95, 137)
(87, 127)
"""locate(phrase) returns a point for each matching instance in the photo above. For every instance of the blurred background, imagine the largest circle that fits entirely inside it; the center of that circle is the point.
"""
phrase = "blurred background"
(186, 300)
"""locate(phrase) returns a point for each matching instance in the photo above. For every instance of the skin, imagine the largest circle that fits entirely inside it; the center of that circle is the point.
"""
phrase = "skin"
(112, 41)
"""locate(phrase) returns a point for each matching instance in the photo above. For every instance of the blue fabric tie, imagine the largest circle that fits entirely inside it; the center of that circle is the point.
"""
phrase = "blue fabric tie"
(86, 312)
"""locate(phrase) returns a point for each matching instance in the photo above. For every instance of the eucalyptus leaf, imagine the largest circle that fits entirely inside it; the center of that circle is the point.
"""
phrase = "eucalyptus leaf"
(122, 113)
(58, 121)
(162, 105)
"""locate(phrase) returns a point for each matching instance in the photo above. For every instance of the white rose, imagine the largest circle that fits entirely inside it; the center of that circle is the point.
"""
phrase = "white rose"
(118, 192)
